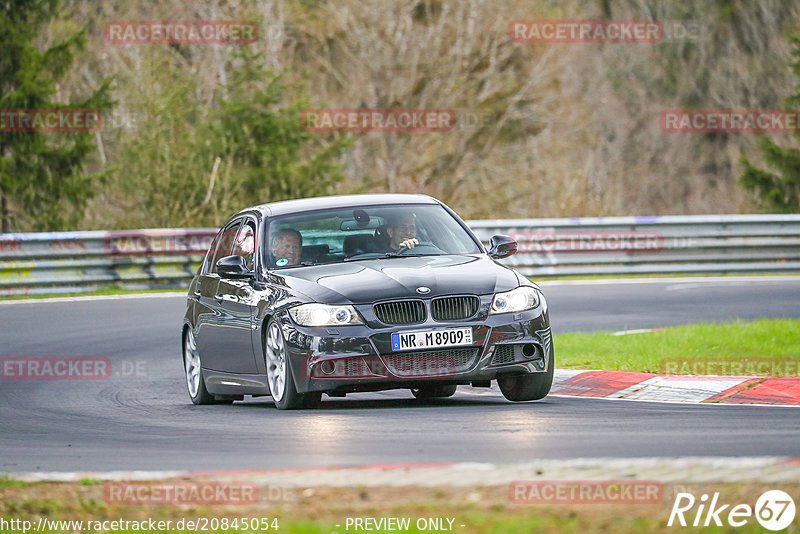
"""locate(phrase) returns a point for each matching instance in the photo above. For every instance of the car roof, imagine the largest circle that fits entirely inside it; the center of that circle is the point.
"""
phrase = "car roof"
(286, 207)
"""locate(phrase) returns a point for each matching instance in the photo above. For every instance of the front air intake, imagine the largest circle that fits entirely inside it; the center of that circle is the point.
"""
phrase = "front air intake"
(431, 363)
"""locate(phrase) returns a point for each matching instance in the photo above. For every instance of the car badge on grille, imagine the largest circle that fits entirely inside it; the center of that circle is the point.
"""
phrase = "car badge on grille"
(423, 290)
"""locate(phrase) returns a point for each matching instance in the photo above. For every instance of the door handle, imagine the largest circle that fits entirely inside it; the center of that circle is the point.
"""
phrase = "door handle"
(196, 295)
(219, 298)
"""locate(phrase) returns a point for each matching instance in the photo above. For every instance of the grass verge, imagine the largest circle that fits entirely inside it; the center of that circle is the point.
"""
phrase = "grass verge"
(318, 510)
(765, 340)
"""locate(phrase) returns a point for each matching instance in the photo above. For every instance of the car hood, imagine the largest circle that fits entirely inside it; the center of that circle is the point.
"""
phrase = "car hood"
(372, 280)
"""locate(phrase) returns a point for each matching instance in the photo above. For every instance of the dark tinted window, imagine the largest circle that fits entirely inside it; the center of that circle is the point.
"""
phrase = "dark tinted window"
(207, 261)
(244, 244)
(225, 241)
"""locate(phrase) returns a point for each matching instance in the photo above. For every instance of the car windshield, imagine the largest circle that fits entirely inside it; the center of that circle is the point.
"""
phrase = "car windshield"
(363, 233)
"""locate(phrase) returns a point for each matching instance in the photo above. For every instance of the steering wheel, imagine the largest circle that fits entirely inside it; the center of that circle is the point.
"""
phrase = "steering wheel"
(422, 248)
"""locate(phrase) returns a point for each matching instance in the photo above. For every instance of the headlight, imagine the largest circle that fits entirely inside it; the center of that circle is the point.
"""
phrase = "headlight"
(517, 300)
(324, 315)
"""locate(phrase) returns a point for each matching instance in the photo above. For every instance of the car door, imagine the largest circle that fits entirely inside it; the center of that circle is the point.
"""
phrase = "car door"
(237, 306)
(210, 317)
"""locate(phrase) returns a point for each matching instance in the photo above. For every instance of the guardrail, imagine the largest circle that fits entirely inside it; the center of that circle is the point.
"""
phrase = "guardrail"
(650, 245)
(162, 258)
(62, 262)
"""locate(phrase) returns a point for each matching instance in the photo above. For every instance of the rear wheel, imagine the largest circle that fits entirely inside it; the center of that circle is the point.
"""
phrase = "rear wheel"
(194, 371)
(432, 392)
(279, 373)
(532, 386)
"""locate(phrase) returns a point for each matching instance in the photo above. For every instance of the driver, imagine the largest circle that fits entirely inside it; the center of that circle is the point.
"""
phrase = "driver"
(402, 231)
(287, 245)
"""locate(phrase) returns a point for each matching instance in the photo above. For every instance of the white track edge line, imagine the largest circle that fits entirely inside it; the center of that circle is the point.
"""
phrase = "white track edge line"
(699, 279)
(94, 298)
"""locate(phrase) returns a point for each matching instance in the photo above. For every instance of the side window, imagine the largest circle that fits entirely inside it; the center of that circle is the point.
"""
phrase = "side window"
(207, 261)
(245, 243)
(225, 244)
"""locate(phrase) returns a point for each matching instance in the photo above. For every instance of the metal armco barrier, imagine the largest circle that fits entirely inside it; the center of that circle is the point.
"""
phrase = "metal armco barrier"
(81, 261)
(61, 262)
(650, 245)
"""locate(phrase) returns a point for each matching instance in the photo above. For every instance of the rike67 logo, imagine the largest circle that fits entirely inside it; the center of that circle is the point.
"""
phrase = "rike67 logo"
(774, 510)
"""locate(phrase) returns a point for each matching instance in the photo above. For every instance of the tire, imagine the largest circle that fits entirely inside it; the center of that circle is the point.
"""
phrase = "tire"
(434, 392)
(193, 367)
(279, 373)
(532, 386)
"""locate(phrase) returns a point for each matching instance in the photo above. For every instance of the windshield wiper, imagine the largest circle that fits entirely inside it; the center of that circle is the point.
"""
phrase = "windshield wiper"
(398, 255)
(379, 255)
(364, 256)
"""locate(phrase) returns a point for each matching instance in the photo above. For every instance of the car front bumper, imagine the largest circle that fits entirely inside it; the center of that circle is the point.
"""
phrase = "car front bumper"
(360, 357)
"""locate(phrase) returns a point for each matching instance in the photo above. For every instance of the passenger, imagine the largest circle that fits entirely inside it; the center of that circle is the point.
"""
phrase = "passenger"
(286, 247)
(402, 231)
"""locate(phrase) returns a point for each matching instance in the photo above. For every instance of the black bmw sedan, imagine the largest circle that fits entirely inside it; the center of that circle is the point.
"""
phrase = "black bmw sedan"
(358, 293)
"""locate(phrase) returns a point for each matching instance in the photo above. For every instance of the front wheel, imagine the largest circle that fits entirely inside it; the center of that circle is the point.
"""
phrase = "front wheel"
(532, 386)
(433, 392)
(279, 373)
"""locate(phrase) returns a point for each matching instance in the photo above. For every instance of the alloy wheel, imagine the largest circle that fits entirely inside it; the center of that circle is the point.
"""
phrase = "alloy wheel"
(276, 361)
(191, 360)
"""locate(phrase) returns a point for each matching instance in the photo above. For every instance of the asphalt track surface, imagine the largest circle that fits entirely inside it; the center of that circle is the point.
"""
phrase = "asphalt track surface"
(141, 418)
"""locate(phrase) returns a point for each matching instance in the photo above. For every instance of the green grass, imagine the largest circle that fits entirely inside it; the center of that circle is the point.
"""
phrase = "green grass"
(8, 482)
(765, 340)
(482, 510)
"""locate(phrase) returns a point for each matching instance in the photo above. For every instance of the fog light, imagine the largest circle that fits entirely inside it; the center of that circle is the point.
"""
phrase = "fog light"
(327, 367)
(529, 350)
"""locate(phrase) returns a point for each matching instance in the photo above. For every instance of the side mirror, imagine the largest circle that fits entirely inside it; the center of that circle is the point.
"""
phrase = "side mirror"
(233, 267)
(502, 246)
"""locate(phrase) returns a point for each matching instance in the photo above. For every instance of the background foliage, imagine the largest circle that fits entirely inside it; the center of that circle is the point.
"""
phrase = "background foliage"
(199, 131)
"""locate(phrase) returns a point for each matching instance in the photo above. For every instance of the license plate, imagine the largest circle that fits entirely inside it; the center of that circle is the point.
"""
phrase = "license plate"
(452, 337)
